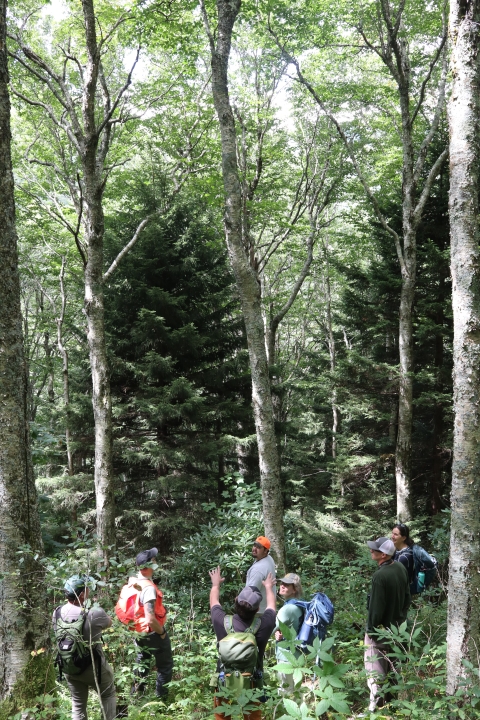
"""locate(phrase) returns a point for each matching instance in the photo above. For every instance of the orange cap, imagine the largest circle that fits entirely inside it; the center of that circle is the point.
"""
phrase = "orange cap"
(265, 542)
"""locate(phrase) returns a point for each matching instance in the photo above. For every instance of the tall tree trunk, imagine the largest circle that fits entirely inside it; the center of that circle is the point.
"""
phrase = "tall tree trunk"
(50, 370)
(403, 452)
(93, 159)
(393, 418)
(22, 626)
(435, 487)
(247, 282)
(65, 369)
(101, 395)
(463, 632)
(333, 356)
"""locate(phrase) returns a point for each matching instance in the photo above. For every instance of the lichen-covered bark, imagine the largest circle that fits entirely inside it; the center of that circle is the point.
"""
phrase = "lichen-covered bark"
(20, 629)
(93, 158)
(247, 284)
(463, 634)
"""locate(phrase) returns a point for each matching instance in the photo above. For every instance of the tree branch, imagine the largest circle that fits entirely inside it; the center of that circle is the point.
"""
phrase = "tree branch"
(428, 185)
(127, 247)
(350, 152)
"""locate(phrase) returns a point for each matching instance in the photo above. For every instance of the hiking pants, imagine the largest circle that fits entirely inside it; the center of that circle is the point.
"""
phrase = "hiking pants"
(254, 715)
(377, 666)
(153, 646)
(79, 686)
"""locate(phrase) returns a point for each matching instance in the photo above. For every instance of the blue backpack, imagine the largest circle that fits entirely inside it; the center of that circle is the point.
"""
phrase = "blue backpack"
(317, 614)
(426, 564)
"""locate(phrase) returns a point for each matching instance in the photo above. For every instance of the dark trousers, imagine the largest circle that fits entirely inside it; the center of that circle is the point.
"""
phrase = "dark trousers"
(152, 646)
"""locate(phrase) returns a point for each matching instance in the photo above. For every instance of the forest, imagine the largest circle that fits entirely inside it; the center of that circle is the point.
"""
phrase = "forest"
(240, 298)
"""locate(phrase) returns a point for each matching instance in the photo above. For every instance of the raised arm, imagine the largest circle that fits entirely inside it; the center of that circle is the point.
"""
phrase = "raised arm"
(217, 579)
(269, 584)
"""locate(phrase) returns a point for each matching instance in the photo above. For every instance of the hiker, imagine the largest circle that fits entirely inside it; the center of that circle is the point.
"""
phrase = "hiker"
(262, 566)
(388, 604)
(404, 549)
(152, 640)
(98, 674)
(246, 605)
(421, 567)
(291, 615)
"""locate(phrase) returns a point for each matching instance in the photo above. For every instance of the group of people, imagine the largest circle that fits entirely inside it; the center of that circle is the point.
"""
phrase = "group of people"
(151, 639)
(255, 608)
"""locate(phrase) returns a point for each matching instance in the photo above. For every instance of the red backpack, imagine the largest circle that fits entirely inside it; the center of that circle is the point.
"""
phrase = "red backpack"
(128, 608)
(125, 607)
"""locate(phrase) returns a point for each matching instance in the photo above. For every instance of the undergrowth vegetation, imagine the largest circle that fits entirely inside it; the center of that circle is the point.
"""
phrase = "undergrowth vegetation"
(330, 679)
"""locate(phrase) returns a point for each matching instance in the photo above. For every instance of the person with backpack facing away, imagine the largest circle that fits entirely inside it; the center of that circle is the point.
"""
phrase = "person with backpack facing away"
(149, 621)
(243, 623)
(79, 643)
(292, 616)
(420, 566)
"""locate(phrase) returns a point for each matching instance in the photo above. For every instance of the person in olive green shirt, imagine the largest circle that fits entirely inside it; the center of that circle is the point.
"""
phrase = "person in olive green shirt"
(388, 605)
(291, 615)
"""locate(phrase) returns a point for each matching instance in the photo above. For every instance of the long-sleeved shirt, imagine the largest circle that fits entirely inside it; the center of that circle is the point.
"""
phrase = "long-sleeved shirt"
(389, 597)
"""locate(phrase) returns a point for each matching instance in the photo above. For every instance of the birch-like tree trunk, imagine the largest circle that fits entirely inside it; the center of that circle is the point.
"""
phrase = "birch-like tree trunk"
(62, 349)
(463, 633)
(21, 628)
(332, 352)
(247, 282)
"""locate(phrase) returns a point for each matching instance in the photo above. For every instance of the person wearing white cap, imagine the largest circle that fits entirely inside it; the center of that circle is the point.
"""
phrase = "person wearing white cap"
(388, 605)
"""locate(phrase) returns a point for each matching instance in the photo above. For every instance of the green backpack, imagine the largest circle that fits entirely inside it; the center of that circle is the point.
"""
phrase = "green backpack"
(238, 653)
(73, 652)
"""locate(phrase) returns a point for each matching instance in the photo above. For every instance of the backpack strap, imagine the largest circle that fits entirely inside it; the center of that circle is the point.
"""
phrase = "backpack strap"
(57, 616)
(228, 623)
(255, 626)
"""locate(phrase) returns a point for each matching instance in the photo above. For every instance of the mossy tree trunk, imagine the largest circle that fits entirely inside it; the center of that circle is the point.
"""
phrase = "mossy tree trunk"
(23, 616)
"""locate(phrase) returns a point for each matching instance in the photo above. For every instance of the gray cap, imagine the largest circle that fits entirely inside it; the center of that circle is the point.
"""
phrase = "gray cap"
(251, 595)
(145, 556)
(289, 579)
(382, 544)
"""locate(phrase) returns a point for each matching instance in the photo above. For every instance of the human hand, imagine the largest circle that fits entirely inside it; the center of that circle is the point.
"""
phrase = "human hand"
(269, 581)
(216, 576)
(278, 635)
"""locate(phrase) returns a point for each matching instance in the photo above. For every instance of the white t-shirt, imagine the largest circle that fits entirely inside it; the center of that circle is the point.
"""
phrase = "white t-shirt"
(149, 593)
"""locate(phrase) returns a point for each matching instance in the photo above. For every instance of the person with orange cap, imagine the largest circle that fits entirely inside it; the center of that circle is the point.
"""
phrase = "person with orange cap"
(262, 566)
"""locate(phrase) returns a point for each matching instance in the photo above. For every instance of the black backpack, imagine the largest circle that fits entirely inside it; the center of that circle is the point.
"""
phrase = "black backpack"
(73, 652)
